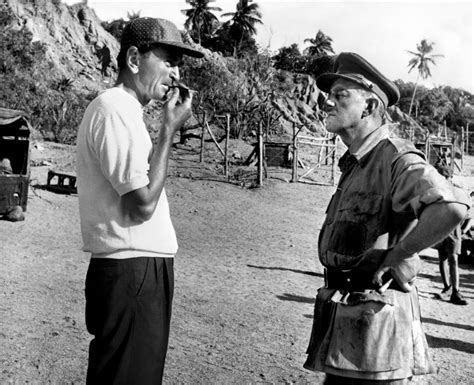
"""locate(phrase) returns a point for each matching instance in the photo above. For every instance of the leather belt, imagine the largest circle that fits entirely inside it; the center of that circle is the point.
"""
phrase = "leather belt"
(350, 280)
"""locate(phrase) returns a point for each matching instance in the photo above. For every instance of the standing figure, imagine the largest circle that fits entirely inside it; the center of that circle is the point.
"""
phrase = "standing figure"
(124, 213)
(389, 205)
(105, 60)
(448, 251)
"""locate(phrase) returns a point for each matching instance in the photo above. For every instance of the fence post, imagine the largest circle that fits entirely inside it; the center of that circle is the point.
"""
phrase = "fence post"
(467, 138)
(260, 156)
(294, 176)
(227, 135)
(201, 158)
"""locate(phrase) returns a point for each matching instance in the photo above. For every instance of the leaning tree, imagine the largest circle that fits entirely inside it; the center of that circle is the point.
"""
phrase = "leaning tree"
(421, 60)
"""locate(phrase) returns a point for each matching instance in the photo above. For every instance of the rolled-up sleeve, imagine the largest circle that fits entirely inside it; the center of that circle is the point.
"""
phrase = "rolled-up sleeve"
(416, 184)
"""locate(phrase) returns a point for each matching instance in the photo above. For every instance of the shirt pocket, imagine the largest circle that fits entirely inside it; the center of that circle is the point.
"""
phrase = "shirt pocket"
(357, 221)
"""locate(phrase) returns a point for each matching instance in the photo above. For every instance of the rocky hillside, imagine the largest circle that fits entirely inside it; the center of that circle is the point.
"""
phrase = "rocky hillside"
(73, 36)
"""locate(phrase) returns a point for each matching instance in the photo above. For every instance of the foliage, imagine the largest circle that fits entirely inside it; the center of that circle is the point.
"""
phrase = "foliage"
(436, 107)
(243, 22)
(244, 88)
(320, 46)
(290, 59)
(201, 21)
(27, 84)
(223, 41)
(318, 65)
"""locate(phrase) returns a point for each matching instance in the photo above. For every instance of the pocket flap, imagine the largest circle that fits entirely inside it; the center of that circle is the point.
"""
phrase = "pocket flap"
(362, 203)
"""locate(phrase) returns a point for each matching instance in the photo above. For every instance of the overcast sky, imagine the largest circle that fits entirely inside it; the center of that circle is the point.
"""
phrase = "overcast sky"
(380, 31)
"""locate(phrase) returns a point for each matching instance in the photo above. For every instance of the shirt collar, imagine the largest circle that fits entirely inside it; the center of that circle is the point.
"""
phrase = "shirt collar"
(361, 149)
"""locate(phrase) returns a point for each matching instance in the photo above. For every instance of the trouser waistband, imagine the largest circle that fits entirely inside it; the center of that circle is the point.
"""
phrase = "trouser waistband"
(352, 280)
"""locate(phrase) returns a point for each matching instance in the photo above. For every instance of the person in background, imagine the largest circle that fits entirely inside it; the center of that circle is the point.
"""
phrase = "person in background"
(448, 251)
(389, 205)
(124, 213)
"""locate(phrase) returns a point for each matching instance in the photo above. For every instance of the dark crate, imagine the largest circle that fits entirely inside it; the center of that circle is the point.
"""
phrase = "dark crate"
(14, 146)
(277, 154)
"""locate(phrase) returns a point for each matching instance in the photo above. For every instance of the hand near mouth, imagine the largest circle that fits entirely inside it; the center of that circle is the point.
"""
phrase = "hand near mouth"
(184, 90)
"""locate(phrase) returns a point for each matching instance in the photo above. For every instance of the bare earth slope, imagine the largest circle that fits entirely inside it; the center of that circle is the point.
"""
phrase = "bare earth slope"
(246, 277)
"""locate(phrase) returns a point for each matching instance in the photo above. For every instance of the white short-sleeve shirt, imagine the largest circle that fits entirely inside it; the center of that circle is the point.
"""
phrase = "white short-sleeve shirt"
(113, 151)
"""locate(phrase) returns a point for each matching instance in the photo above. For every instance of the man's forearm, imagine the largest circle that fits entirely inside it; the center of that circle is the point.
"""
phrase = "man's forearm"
(139, 205)
(435, 223)
(159, 164)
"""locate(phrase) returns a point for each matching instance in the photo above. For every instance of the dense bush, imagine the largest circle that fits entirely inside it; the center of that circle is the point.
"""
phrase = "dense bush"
(243, 88)
(432, 108)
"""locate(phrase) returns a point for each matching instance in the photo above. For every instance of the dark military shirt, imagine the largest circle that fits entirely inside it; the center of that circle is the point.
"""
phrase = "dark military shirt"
(384, 186)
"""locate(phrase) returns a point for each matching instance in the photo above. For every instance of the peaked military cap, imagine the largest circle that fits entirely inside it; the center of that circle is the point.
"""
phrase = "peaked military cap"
(354, 67)
(149, 31)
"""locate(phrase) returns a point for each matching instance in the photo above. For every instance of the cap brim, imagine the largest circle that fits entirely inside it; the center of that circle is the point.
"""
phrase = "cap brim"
(186, 49)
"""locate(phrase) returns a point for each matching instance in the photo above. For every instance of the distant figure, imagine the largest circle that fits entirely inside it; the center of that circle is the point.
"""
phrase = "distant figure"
(448, 252)
(125, 219)
(388, 206)
(105, 60)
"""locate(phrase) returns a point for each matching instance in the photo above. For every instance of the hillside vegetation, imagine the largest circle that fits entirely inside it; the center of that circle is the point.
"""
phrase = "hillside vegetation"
(51, 69)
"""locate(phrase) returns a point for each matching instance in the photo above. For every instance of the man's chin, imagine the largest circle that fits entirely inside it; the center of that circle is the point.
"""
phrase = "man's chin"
(331, 128)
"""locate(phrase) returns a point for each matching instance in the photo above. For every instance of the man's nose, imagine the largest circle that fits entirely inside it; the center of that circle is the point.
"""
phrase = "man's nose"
(175, 73)
(328, 104)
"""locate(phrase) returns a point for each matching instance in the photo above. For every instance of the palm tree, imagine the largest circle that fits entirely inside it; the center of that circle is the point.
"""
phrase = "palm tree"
(200, 18)
(321, 45)
(244, 21)
(133, 15)
(422, 60)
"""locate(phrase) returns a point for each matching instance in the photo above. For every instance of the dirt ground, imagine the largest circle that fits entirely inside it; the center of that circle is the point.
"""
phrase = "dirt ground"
(246, 278)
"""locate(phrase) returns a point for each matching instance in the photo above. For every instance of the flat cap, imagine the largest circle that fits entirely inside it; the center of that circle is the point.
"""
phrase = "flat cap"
(354, 67)
(149, 31)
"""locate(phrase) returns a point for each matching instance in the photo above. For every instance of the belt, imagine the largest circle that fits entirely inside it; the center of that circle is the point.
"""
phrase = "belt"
(352, 280)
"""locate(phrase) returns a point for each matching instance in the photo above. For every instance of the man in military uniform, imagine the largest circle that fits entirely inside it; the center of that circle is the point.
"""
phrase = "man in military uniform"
(448, 251)
(389, 205)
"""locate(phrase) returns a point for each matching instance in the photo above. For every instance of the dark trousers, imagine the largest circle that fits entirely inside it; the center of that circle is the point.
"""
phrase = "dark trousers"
(128, 311)
(337, 380)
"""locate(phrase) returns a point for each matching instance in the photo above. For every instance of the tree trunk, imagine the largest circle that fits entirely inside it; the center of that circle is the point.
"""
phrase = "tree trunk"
(413, 96)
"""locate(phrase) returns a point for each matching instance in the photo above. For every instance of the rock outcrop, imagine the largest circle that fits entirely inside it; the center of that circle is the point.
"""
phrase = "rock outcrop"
(73, 35)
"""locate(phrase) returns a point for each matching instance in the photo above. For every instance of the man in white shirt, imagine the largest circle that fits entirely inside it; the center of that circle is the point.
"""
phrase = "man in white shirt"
(125, 220)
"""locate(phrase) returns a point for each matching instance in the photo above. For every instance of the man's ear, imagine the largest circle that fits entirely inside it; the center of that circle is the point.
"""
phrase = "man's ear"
(132, 59)
(371, 106)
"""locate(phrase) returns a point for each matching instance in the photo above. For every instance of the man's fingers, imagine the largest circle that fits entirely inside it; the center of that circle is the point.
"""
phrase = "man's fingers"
(172, 95)
(378, 275)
